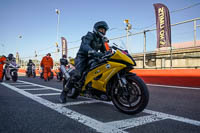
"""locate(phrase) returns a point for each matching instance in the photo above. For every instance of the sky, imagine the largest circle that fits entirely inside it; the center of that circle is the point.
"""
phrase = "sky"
(36, 22)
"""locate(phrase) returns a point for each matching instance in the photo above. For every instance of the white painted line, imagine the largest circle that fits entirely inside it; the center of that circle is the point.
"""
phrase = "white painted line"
(180, 87)
(18, 83)
(22, 85)
(35, 89)
(173, 117)
(159, 114)
(79, 102)
(134, 122)
(165, 116)
(55, 89)
(47, 94)
(92, 123)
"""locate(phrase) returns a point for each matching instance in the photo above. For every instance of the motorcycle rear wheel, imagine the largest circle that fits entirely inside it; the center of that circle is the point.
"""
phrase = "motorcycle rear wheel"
(71, 92)
(135, 100)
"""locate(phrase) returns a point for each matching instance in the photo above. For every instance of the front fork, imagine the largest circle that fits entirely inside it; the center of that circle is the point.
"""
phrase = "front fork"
(123, 86)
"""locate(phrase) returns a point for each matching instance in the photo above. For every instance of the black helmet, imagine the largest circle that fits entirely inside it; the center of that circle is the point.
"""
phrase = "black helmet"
(30, 60)
(100, 24)
(64, 56)
(10, 56)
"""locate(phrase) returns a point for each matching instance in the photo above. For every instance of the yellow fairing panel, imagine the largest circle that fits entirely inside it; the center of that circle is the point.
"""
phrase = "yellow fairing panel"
(106, 71)
(121, 56)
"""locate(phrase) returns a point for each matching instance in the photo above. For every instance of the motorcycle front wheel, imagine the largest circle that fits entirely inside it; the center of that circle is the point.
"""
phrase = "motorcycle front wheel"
(133, 98)
(34, 74)
(14, 76)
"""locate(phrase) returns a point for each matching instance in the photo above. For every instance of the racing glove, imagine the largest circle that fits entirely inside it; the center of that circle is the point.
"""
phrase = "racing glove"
(94, 53)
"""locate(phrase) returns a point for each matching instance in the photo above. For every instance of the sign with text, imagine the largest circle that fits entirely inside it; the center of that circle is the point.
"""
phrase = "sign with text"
(163, 25)
(64, 46)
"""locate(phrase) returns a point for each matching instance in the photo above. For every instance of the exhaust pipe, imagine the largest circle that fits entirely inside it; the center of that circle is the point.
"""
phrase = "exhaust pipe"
(65, 72)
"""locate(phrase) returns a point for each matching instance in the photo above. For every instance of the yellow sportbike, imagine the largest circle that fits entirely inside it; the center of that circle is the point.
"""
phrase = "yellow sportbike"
(110, 78)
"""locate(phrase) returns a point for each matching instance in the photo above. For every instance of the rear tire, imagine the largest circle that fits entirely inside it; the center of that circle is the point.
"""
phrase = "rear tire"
(135, 100)
(71, 91)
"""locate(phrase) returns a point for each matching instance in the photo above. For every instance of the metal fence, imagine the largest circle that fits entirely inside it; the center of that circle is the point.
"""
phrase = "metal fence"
(144, 42)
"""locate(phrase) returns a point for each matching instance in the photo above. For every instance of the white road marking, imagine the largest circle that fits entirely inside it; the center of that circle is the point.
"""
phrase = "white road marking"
(25, 85)
(79, 102)
(180, 87)
(35, 89)
(134, 122)
(55, 89)
(47, 94)
(17, 83)
(166, 116)
(92, 123)
(112, 127)
(173, 117)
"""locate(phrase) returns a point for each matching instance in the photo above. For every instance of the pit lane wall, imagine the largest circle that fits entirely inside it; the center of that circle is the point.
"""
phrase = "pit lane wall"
(174, 77)
(37, 71)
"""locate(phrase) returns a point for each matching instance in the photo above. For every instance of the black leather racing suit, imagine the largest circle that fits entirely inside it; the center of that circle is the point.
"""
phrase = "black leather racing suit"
(90, 42)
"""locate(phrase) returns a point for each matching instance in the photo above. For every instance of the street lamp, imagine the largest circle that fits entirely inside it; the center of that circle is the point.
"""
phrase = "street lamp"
(58, 22)
(128, 27)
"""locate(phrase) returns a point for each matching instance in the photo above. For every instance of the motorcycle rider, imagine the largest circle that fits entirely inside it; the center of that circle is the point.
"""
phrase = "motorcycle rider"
(92, 44)
(9, 59)
(2, 62)
(63, 61)
(47, 65)
(30, 64)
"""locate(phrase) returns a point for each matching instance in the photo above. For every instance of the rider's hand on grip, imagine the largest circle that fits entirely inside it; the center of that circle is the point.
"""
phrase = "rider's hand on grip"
(94, 53)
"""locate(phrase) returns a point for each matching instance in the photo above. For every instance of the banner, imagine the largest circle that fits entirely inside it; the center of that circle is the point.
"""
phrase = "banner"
(64, 46)
(163, 25)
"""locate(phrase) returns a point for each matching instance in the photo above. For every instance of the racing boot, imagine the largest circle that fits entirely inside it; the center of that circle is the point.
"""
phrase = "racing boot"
(63, 97)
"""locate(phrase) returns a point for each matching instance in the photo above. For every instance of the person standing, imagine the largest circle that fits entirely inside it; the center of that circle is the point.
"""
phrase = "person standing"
(2, 62)
(47, 65)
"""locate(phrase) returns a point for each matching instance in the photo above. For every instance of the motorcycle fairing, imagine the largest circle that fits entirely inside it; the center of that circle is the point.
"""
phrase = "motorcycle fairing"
(106, 71)
(121, 56)
(100, 76)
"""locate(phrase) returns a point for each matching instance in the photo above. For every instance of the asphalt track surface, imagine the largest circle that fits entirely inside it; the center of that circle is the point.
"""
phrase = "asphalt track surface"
(31, 106)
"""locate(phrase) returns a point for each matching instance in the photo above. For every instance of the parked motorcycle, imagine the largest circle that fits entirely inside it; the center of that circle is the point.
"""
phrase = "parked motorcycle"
(31, 71)
(110, 78)
(10, 70)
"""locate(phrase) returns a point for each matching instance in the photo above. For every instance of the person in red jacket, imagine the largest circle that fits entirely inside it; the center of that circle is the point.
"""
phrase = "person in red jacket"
(2, 62)
(47, 65)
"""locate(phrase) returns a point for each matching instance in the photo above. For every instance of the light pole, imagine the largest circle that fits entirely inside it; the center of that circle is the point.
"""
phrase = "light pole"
(58, 22)
(128, 27)
(17, 51)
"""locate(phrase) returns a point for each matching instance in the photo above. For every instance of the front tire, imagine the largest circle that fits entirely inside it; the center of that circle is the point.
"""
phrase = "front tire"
(15, 76)
(133, 101)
